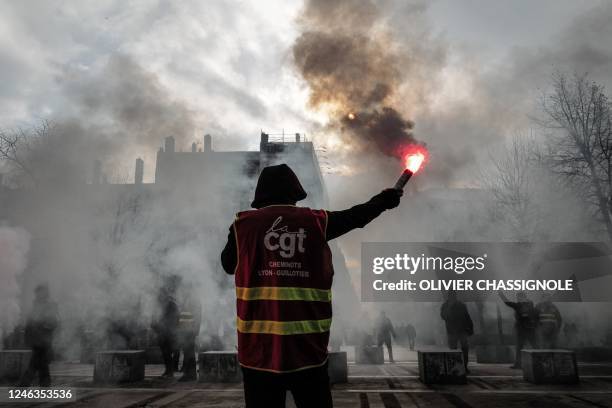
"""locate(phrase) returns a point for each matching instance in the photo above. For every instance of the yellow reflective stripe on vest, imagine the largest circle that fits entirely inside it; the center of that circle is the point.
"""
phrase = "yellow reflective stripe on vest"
(283, 328)
(283, 293)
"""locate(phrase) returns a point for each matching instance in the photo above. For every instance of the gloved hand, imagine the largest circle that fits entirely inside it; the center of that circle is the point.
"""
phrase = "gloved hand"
(388, 198)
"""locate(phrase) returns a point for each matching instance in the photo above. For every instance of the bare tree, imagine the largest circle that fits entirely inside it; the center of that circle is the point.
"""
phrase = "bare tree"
(510, 178)
(120, 231)
(578, 114)
(19, 148)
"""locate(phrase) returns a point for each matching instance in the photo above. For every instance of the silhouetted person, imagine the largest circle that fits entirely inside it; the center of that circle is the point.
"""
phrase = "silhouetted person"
(41, 322)
(549, 322)
(411, 334)
(525, 323)
(283, 274)
(190, 318)
(384, 333)
(459, 325)
(166, 322)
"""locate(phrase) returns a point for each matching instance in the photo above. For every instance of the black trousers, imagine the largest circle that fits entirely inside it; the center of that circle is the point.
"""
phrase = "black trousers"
(39, 363)
(167, 344)
(387, 342)
(189, 359)
(310, 388)
(524, 336)
(460, 338)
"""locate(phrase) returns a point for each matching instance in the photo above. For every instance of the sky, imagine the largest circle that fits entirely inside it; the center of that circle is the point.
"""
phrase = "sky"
(228, 64)
(495, 27)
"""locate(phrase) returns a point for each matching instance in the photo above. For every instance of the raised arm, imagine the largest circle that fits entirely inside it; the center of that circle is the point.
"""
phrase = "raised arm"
(341, 222)
(505, 299)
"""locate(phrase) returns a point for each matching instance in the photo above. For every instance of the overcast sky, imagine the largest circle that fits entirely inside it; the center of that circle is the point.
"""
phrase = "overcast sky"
(229, 62)
(496, 26)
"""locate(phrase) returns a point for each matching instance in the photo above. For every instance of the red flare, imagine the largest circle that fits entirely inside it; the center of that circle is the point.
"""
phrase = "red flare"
(414, 157)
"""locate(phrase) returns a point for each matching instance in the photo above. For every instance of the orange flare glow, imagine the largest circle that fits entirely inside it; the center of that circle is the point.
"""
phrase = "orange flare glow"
(414, 162)
(351, 116)
(414, 157)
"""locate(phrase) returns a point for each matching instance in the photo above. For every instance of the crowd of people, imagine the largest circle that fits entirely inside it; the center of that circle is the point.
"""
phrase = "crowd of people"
(177, 325)
(536, 326)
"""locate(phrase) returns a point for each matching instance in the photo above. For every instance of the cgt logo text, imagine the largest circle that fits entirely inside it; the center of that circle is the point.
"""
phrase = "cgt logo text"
(280, 238)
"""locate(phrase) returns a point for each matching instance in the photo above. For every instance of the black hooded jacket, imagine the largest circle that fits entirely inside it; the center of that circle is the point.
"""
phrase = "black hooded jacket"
(279, 185)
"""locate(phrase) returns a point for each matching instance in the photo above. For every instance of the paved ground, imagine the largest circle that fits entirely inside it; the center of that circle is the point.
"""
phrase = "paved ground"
(389, 386)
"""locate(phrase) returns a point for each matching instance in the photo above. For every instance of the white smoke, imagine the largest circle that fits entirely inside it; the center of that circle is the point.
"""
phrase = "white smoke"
(14, 247)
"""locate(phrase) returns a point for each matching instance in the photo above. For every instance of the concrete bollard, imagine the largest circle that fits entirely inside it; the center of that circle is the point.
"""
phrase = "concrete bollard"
(219, 366)
(549, 366)
(13, 363)
(441, 367)
(337, 367)
(369, 355)
(119, 366)
(494, 354)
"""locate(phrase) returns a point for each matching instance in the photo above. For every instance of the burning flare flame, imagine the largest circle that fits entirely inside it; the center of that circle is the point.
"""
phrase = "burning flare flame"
(415, 161)
(415, 158)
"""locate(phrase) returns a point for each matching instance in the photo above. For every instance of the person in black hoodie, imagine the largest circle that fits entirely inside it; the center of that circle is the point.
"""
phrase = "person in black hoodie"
(41, 323)
(279, 185)
(280, 355)
(165, 323)
(459, 325)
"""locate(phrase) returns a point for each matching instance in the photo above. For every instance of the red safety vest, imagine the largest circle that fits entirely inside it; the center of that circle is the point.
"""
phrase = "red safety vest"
(283, 288)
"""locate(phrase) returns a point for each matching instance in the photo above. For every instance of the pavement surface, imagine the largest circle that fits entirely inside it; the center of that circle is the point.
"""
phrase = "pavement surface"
(389, 385)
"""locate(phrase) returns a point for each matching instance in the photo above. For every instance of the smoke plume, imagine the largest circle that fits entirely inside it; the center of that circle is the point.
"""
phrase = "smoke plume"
(353, 69)
(105, 266)
(114, 113)
(14, 247)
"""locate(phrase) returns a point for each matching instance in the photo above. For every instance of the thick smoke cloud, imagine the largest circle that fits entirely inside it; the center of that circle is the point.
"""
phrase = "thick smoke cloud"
(457, 101)
(116, 113)
(107, 249)
(465, 108)
(112, 113)
(353, 71)
(14, 247)
(131, 99)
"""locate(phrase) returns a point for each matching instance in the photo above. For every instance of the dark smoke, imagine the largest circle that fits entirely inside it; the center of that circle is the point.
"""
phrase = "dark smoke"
(384, 129)
(113, 113)
(353, 69)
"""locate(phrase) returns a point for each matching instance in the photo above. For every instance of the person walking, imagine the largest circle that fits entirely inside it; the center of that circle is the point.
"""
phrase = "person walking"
(384, 333)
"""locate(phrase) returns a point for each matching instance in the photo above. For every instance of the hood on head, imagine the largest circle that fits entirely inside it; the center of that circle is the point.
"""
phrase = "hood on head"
(277, 185)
